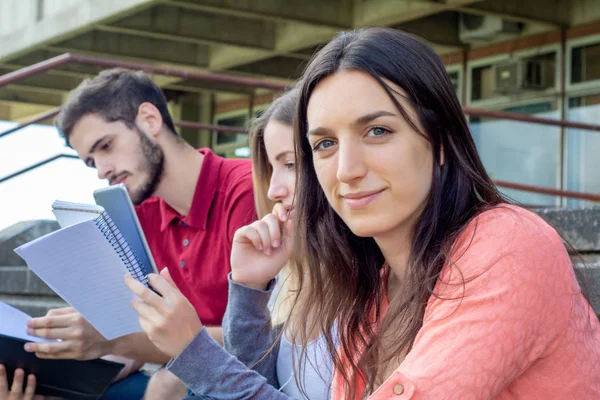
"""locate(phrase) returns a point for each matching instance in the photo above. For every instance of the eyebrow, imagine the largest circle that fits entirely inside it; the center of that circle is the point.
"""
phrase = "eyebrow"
(365, 119)
(283, 153)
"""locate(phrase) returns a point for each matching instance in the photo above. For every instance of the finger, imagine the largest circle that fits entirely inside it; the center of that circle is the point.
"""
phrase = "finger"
(288, 231)
(53, 349)
(281, 212)
(273, 224)
(248, 233)
(61, 311)
(144, 293)
(53, 333)
(55, 321)
(144, 310)
(17, 385)
(161, 285)
(265, 237)
(3, 380)
(30, 388)
(149, 327)
(167, 275)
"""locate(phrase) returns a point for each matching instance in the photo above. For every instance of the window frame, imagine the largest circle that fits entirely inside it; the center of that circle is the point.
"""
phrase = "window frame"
(504, 101)
(585, 86)
(241, 138)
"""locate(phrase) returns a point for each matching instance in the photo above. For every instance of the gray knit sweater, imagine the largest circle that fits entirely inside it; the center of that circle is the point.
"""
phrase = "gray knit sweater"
(232, 372)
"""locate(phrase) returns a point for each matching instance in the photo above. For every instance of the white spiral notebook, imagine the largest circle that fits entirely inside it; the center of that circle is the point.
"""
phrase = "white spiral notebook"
(85, 263)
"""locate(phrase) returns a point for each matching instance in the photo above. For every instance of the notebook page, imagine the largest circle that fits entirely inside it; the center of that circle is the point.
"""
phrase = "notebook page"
(13, 322)
(81, 266)
(68, 214)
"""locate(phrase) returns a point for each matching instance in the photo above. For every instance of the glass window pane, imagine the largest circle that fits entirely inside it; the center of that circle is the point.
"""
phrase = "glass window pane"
(455, 79)
(582, 148)
(521, 152)
(481, 83)
(223, 138)
(585, 63)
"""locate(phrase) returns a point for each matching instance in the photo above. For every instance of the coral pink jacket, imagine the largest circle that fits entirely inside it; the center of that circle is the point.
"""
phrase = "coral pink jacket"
(519, 327)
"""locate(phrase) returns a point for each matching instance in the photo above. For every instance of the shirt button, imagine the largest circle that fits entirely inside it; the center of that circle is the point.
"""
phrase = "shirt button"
(182, 263)
(186, 242)
(398, 389)
(182, 223)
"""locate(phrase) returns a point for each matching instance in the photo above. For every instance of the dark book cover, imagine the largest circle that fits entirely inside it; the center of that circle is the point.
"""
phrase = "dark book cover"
(70, 379)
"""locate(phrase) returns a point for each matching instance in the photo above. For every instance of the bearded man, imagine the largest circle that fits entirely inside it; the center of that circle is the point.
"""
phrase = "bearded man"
(189, 202)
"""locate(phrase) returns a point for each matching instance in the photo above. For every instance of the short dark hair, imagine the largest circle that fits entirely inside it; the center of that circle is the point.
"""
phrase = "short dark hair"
(115, 95)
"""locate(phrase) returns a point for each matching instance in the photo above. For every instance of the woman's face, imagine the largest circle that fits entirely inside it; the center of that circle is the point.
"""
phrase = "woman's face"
(374, 168)
(279, 144)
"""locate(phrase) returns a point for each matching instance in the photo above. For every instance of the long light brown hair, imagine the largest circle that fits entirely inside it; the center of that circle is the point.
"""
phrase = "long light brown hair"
(281, 110)
(346, 283)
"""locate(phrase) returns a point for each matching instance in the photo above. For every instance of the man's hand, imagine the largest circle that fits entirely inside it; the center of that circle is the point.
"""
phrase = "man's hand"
(170, 321)
(16, 389)
(80, 340)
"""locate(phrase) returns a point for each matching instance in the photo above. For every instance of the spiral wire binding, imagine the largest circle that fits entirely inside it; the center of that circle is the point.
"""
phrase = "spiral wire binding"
(118, 242)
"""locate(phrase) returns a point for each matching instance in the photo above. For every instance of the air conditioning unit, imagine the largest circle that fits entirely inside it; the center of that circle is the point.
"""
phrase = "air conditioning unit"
(483, 28)
(523, 75)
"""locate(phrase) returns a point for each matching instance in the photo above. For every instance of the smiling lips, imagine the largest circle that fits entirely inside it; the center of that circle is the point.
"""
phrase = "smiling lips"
(358, 200)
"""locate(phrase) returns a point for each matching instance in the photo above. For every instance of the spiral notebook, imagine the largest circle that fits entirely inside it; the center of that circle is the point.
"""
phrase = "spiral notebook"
(85, 263)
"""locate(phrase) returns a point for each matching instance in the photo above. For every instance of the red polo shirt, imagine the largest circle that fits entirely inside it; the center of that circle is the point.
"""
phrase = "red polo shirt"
(196, 248)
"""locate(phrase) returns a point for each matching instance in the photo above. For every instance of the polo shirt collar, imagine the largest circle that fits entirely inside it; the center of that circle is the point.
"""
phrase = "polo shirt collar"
(206, 188)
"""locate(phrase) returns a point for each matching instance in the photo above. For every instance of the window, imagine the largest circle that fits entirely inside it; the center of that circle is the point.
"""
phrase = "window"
(455, 79)
(230, 144)
(520, 152)
(225, 138)
(482, 83)
(585, 63)
(582, 148)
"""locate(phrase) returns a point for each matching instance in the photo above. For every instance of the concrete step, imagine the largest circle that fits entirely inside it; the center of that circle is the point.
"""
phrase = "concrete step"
(589, 280)
(581, 227)
(21, 280)
(35, 306)
(21, 233)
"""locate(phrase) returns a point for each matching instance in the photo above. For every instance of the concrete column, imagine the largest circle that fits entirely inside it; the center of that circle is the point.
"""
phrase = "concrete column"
(196, 108)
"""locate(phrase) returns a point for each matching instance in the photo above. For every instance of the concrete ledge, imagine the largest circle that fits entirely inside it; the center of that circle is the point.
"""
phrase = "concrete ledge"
(36, 307)
(580, 226)
(21, 233)
(589, 280)
(21, 280)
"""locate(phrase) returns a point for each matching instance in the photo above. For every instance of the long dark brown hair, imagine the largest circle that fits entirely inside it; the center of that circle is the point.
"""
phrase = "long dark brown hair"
(346, 283)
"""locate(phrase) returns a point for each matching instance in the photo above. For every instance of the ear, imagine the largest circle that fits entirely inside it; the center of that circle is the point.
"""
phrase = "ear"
(149, 119)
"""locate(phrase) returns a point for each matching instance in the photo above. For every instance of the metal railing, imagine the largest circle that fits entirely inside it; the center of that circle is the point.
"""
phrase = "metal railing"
(72, 58)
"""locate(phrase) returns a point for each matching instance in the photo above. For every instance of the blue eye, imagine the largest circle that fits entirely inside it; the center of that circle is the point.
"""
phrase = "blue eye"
(290, 165)
(378, 131)
(324, 145)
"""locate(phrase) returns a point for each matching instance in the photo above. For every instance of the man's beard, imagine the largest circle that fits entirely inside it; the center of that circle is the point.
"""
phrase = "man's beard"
(152, 165)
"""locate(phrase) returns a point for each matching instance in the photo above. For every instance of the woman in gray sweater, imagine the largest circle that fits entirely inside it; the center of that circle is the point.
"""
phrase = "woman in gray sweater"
(259, 303)
(258, 306)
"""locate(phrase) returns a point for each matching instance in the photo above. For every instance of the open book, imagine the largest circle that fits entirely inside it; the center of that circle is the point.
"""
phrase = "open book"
(85, 263)
(64, 378)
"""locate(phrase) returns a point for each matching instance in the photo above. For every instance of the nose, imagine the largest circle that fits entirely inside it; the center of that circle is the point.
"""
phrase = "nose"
(105, 169)
(277, 189)
(351, 165)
